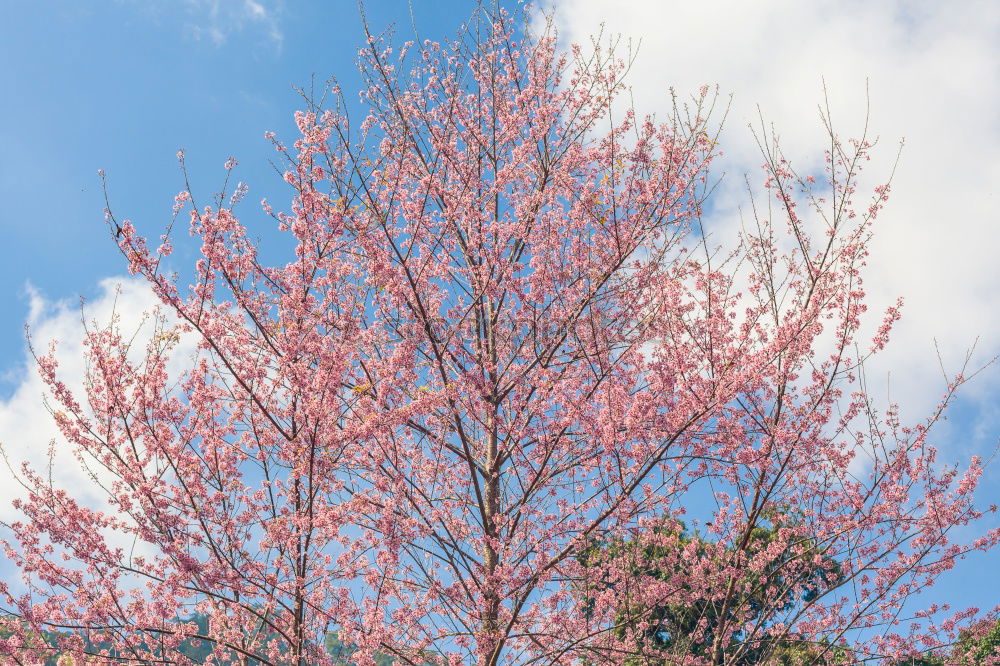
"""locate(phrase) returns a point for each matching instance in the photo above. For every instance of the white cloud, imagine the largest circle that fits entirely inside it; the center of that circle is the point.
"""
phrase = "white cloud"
(26, 427)
(217, 20)
(255, 10)
(932, 71)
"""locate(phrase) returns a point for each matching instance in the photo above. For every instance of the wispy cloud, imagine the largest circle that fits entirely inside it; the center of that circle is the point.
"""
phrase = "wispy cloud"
(216, 20)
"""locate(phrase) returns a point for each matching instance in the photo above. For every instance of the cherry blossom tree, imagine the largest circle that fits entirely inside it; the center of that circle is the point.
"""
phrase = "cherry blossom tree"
(504, 341)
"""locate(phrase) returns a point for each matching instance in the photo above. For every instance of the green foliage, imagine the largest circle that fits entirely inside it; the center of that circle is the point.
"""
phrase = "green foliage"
(342, 652)
(976, 650)
(196, 650)
(972, 649)
(671, 626)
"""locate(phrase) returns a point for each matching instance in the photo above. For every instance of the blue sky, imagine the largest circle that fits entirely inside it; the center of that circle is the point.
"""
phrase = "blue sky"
(122, 85)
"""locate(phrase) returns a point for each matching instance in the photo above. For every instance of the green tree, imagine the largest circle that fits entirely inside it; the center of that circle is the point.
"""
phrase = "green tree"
(687, 621)
(975, 646)
(979, 647)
